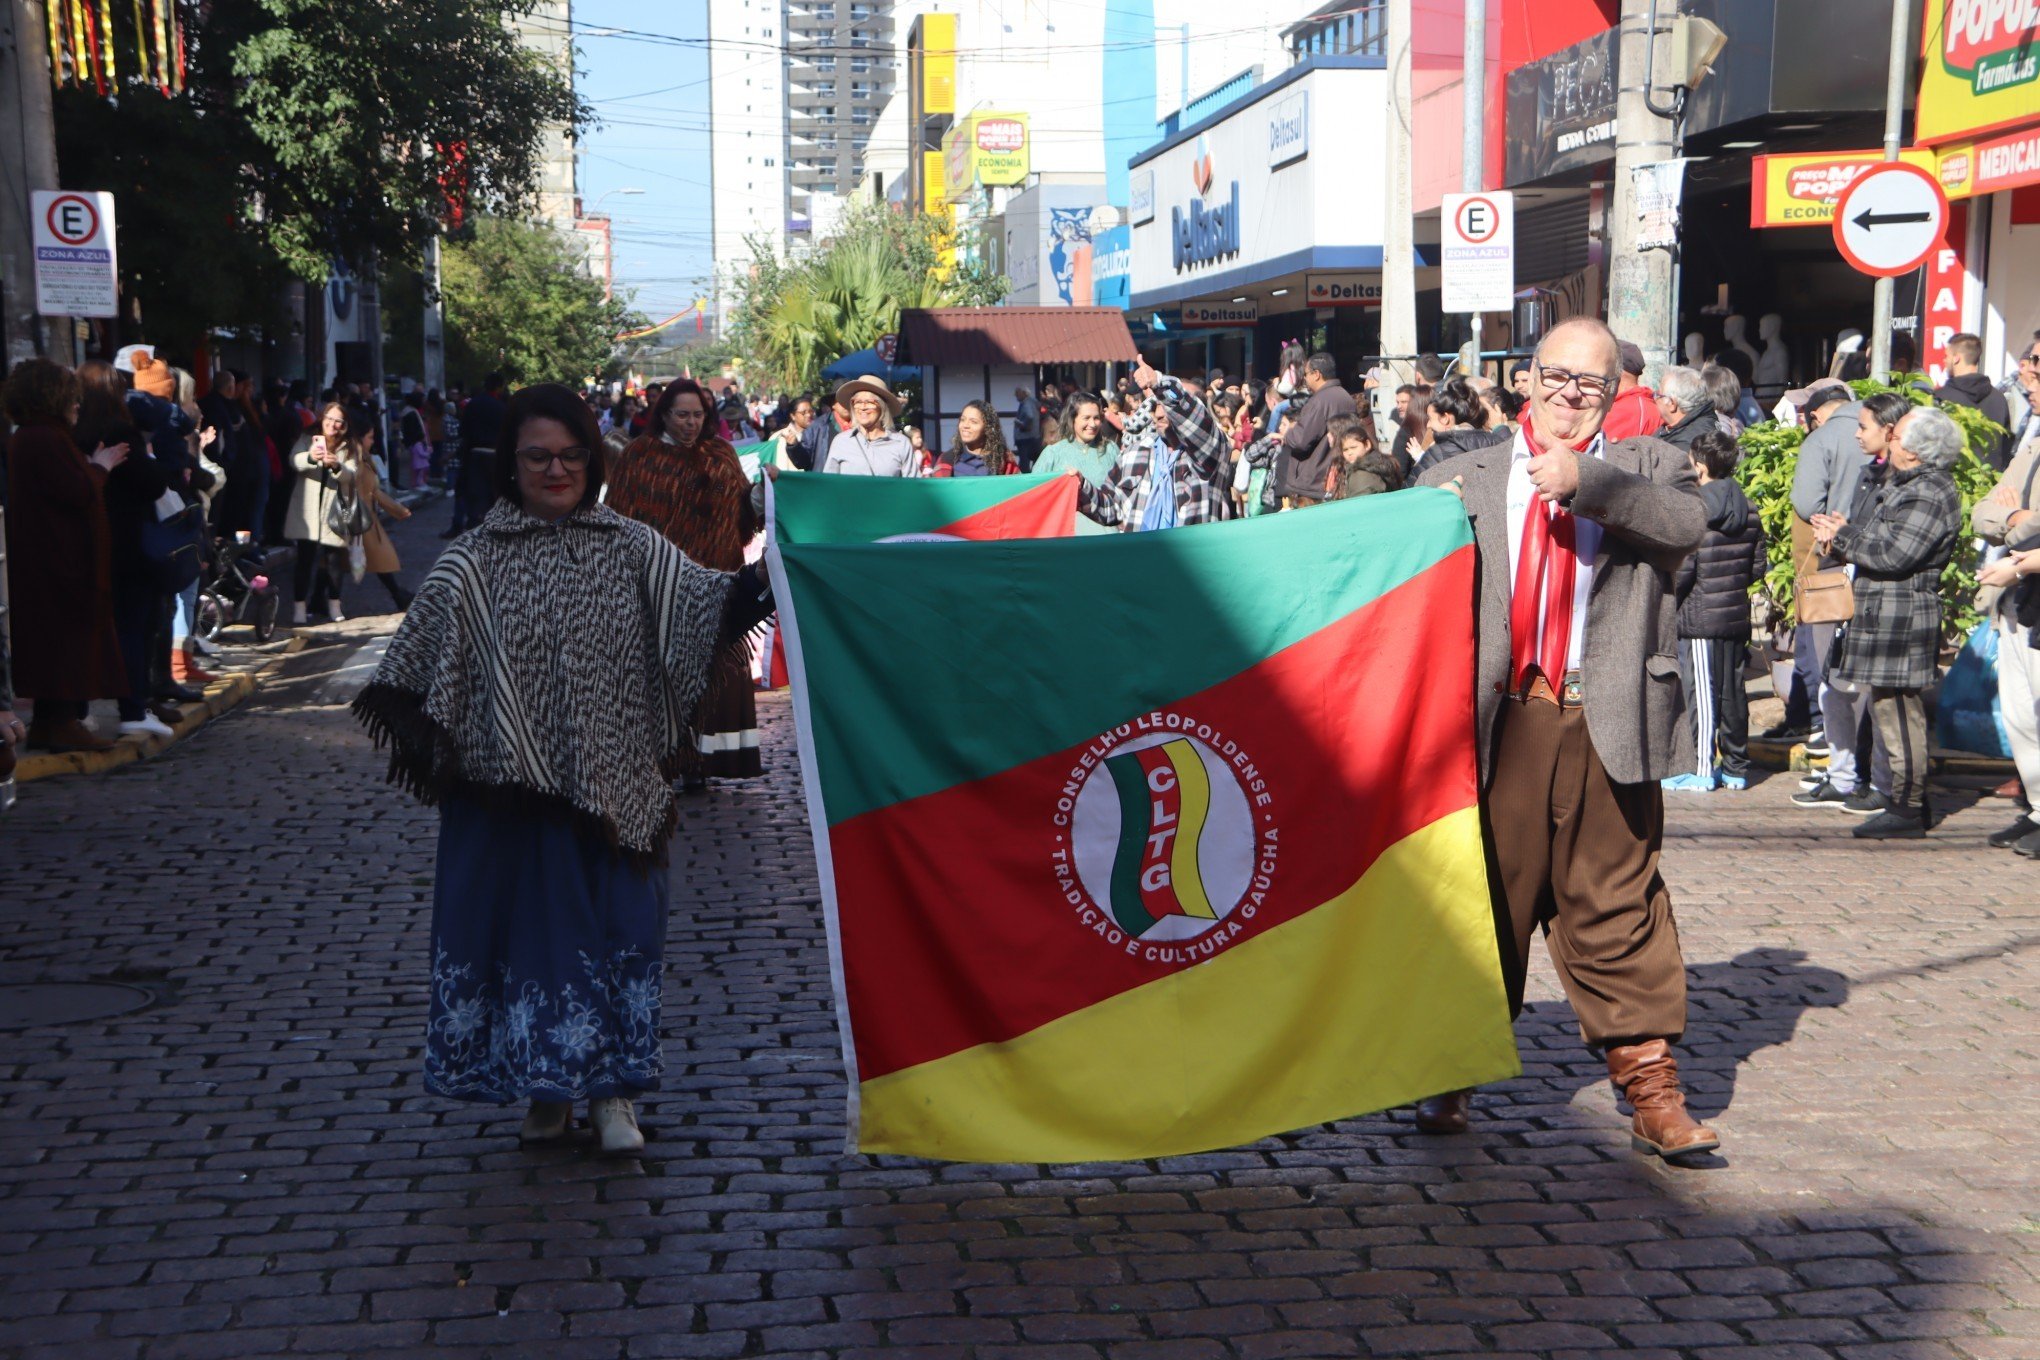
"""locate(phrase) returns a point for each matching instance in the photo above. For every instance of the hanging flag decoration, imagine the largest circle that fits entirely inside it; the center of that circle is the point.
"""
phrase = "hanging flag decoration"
(87, 37)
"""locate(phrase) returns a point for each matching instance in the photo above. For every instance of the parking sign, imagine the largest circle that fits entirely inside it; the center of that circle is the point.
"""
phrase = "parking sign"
(76, 270)
(1478, 252)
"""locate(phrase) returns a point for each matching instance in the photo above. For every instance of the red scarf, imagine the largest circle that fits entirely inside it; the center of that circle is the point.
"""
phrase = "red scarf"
(1546, 569)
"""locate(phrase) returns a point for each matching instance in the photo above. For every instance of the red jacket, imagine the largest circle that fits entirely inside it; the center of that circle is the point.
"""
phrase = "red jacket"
(1635, 412)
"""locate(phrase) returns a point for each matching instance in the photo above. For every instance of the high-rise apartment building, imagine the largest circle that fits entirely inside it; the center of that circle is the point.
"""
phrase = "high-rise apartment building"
(548, 29)
(794, 89)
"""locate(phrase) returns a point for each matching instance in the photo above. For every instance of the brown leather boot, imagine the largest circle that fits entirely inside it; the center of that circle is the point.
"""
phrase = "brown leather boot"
(1648, 1075)
(1444, 1113)
(74, 735)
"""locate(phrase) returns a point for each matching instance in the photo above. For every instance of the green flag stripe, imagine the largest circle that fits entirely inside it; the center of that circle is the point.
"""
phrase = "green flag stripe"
(809, 507)
(1013, 649)
(1127, 906)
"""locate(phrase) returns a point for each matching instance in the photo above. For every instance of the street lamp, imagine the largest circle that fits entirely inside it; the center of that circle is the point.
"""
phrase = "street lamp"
(592, 210)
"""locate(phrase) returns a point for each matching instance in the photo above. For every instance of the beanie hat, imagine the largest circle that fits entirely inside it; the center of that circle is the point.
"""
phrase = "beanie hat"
(153, 376)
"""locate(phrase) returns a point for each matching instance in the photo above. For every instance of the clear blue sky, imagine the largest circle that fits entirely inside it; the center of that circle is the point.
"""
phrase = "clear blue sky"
(649, 88)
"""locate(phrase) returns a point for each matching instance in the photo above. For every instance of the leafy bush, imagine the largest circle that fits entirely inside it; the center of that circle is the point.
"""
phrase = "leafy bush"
(1770, 453)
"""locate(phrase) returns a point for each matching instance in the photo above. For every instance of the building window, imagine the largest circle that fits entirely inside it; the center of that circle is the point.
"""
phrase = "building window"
(858, 65)
(825, 63)
(860, 117)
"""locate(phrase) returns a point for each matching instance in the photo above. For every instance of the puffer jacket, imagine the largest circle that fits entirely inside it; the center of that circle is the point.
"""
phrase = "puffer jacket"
(1713, 583)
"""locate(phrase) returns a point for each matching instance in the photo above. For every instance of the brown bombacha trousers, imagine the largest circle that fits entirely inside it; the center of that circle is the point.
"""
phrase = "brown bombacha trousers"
(1578, 854)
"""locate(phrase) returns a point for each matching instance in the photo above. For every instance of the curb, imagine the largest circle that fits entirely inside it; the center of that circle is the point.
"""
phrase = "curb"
(221, 697)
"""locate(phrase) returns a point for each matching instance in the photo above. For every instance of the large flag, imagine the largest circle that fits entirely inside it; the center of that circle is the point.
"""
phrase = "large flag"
(810, 507)
(1150, 843)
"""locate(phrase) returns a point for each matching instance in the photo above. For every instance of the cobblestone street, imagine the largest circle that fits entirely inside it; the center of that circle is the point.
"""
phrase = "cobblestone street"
(250, 1167)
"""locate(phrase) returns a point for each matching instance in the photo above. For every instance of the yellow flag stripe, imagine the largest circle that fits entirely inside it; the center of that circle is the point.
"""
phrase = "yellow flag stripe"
(1387, 993)
(1194, 793)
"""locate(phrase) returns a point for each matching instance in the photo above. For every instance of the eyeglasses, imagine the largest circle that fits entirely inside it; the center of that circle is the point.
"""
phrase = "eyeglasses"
(865, 404)
(1558, 379)
(2029, 360)
(538, 460)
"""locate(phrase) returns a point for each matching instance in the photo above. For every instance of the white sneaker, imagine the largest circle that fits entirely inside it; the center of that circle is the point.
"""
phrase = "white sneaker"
(148, 725)
(333, 615)
(615, 1121)
(548, 1121)
(297, 614)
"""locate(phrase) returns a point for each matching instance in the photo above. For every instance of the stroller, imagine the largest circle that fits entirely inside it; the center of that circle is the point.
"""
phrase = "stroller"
(234, 588)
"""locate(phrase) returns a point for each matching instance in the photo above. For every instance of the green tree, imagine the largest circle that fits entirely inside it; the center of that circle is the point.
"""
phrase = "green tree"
(795, 317)
(517, 299)
(308, 132)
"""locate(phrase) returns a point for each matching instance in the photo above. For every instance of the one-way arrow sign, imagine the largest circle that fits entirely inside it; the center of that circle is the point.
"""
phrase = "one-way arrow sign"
(1868, 220)
(1890, 218)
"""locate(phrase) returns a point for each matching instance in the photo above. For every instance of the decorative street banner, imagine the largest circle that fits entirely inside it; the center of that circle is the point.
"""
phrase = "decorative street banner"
(811, 507)
(1148, 843)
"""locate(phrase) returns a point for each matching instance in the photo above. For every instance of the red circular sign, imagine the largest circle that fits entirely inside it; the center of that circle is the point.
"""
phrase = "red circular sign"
(1890, 219)
(1466, 232)
(72, 219)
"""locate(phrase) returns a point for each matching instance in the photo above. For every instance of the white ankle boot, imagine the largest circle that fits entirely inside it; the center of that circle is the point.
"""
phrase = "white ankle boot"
(615, 1121)
(297, 614)
(548, 1122)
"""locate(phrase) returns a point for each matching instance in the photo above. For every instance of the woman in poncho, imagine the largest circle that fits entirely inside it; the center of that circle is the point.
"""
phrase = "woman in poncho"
(687, 483)
(541, 692)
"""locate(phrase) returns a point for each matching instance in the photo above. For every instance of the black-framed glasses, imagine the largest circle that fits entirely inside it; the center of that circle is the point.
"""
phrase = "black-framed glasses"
(538, 460)
(1590, 384)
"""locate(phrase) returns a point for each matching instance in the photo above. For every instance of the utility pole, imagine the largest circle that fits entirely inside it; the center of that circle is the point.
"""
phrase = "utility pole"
(434, 375)
(1398, 236)
(1894, 119)
(1472, 117)
(1639, 282)
(28, 161)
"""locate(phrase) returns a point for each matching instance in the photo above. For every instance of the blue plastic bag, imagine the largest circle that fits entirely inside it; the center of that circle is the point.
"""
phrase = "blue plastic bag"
(1969, 718)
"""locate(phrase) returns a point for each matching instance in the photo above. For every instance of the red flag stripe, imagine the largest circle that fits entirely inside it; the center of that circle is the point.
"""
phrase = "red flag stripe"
(1048, 511)
(964, 920)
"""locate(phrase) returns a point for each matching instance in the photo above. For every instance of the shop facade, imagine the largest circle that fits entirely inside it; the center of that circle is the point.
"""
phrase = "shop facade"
(1261, 225)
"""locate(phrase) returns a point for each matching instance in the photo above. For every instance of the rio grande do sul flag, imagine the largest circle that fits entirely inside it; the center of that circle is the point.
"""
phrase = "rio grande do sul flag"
(810, 507)
(1151, 843)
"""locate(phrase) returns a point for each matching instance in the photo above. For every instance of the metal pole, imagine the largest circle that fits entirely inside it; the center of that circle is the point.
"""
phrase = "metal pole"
(1894, 118)
(1398, 237)
(1639, 281)
(1472, 117)
(28, 161)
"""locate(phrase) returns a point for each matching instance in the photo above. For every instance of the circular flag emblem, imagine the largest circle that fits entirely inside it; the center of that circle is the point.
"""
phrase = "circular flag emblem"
(1159, 838)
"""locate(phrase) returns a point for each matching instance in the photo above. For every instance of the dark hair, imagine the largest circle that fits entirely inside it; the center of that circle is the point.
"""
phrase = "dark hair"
(1339, 427)
(1430, 368)
(1225, 403)
(1827, 392)
(1511, 401)
(1077, 402)
(1717, 453)
(993, 450)
(1738, 363)
(1406, 390)
(677, 388)
(1455, 397)
(40, 390)
(1888, 408)
(548, 401)
(1520, 366)
(349, 446)
(495, 381)
(102, 408)
(1324, 365)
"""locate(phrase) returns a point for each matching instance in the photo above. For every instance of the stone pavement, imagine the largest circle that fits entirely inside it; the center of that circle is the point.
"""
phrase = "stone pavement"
(250, 1167)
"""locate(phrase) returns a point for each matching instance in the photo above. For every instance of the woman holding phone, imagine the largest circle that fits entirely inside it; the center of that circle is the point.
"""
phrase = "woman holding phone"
(319, 459)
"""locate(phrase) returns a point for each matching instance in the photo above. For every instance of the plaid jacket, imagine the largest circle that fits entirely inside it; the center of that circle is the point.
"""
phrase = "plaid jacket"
(1912, 526)
(1203, 471)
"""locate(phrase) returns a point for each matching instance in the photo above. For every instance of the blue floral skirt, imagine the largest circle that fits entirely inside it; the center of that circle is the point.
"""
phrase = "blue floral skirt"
(546, 962)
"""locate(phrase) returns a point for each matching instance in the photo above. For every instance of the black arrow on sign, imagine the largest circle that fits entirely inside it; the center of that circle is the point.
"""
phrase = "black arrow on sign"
(1867, 219)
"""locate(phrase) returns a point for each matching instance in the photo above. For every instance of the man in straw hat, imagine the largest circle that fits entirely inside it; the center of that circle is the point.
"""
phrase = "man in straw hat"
(871, 447)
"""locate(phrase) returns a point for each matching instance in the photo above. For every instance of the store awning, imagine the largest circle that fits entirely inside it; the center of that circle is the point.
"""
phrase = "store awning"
(1015, 335)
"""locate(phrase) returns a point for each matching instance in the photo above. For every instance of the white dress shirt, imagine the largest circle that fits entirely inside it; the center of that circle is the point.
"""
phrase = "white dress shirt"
(1586, 544)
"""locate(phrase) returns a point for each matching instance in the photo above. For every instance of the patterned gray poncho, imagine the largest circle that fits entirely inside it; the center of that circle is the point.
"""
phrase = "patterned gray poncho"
(557, 662)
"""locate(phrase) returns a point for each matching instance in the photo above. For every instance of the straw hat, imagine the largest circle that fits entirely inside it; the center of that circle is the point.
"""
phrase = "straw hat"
(877, 388)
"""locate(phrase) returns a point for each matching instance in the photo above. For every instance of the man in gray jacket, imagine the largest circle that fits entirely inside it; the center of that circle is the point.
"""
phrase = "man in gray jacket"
(1577, 702)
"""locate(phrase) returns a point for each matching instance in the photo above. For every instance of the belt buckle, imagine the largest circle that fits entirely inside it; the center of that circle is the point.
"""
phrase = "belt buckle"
(1569, 695)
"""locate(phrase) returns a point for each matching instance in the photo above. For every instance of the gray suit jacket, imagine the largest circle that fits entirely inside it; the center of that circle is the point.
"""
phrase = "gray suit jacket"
(1643, 494)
